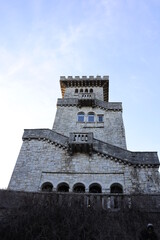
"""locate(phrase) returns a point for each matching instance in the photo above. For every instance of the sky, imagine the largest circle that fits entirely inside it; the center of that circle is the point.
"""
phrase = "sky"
(41, 40)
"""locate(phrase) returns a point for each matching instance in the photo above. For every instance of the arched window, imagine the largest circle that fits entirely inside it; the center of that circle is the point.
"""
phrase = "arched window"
(91, 90)
(91, 117)
(116, 188)
(86, 90)
(95, 188)
(79, 188)
(81, 90)
(80, 117)
(63, 187)
(76, 90)
(47, 187)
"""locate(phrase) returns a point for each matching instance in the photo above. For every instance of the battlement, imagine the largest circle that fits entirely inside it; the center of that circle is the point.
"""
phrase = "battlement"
(84, 78)
(84, 81)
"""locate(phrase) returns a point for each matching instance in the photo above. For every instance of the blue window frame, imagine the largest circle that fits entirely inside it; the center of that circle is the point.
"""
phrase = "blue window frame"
(80, 117)
(100, 118)
(90, 117)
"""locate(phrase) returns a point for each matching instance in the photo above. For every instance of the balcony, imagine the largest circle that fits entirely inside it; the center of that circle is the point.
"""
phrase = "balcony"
(86, 99)
(80, 142)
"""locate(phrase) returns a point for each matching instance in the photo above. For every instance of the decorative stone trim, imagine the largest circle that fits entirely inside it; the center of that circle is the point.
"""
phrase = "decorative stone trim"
(107, 106)
(122, 156)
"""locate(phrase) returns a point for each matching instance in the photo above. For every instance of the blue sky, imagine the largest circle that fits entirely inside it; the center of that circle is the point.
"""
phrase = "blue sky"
(40, 40)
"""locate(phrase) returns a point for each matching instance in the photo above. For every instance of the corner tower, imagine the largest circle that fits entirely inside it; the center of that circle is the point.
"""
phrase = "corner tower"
(85, 108)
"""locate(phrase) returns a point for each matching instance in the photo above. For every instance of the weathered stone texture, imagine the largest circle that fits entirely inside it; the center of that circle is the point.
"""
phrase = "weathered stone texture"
(111, 130)
(70, 92)
(57, 156)
(40, 161)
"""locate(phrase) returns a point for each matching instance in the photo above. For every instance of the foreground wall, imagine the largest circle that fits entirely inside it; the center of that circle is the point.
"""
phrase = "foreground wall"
(51, 216)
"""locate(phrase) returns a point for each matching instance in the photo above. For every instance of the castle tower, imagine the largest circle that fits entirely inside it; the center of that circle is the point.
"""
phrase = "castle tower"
(84, 107)
(86, 149)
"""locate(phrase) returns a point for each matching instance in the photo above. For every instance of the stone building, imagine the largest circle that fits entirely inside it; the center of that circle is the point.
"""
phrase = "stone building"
(86, 149)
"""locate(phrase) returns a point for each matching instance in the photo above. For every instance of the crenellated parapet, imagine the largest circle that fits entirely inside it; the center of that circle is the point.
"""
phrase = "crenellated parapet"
(84, 81)
(84, 78)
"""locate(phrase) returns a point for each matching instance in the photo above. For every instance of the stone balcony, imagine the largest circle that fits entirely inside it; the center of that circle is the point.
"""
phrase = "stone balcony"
(81, 142)
(86, 99)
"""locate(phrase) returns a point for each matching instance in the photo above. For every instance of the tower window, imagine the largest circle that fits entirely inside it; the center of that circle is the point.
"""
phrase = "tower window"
(86, 90)
(76, 90)
(81, 117)
(91, 90)
(90, 117)
(81, 90)
(100, 118)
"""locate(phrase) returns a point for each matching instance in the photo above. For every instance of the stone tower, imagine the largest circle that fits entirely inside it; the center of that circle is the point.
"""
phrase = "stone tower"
(86, 149)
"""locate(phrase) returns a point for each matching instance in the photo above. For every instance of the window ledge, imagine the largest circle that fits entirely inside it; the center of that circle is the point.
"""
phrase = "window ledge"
(91, 124)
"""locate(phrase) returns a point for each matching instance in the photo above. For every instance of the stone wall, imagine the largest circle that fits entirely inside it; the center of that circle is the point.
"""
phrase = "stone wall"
(70, 92)
(111, 130)
(42, 161)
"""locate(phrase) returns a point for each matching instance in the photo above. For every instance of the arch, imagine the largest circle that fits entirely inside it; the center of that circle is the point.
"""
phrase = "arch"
(91, 117)
(86, 90)
(63, 187)
(81, 90)
(95, 188)
(91, 90)
(79, 188)
(76, 90)
(116, 188)
(80, 117)
(47, 187)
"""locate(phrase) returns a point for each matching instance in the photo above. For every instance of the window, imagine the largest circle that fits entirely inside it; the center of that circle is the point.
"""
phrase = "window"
(95, 188)
(100, 118)
(86, 90)
(91, 90)
(79, 188)
(47, 187)
(116, 188)
(76, 90)
(81, 90)
(80, 117)
(63, 187)
(90, 117)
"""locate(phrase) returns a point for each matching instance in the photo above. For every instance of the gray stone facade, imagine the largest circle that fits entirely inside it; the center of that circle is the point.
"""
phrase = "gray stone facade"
(86, 146)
